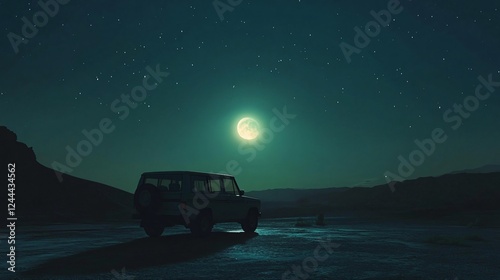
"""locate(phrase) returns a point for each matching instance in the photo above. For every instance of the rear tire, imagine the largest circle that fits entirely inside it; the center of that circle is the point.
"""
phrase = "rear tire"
(251, 222)
(202, 225)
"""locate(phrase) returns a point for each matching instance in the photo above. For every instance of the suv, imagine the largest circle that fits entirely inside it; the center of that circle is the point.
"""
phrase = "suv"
(194, 199)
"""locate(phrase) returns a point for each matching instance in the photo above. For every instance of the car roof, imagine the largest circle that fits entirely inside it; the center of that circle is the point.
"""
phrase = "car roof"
(186, 172)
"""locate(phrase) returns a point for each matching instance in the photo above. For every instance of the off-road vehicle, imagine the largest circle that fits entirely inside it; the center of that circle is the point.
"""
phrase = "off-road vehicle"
(194, 199)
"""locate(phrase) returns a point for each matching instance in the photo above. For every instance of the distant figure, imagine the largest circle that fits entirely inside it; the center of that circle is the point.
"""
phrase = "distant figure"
(320, 221)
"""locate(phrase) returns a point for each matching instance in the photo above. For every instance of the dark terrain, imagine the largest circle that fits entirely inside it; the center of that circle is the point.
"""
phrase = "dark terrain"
(360, 249)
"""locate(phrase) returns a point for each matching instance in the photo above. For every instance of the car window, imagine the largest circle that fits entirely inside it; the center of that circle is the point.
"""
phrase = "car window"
(172, 183)
(164, 183)
(229, 185)
(200, 183)
(152, 181)
(215, 184)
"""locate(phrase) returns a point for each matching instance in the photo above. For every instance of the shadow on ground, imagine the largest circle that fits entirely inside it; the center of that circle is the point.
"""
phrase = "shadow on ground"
(140, 253)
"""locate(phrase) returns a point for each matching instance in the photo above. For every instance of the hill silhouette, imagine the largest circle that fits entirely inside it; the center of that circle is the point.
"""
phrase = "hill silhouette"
(490, 168)
(455, 192)
(41, 197)
(426, 197)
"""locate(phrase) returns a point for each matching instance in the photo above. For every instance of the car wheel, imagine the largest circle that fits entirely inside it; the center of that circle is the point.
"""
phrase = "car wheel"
(147, 199)
(154, 230)
(251, 222)
(202, 225)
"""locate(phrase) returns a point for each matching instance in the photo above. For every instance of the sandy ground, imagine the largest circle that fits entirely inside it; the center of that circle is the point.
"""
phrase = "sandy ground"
(346, 248)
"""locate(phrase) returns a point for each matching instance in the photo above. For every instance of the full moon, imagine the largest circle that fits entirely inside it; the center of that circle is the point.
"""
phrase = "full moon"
(248, 128)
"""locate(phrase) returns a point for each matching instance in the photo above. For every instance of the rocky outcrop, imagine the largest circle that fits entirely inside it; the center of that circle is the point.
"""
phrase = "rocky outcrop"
(41, 197)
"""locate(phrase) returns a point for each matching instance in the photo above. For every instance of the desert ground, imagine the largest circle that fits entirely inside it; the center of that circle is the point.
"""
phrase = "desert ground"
(345, 248)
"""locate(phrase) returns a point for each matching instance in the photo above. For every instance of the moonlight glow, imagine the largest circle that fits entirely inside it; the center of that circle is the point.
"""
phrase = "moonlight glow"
(248, 128)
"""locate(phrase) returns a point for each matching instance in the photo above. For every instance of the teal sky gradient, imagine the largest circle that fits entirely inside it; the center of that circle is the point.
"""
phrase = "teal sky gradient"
(352, 120)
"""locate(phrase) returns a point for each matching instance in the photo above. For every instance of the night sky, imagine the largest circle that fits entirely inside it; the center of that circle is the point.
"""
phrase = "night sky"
(345, 123)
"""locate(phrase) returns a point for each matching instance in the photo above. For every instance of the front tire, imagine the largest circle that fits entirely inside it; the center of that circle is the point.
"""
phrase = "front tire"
(154, 230)
(251, 222)
(202, 225)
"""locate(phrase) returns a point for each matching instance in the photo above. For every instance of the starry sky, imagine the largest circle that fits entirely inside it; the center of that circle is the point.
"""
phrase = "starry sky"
(348, 122)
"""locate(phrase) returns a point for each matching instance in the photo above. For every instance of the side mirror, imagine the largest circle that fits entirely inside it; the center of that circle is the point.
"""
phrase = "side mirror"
(242, 192)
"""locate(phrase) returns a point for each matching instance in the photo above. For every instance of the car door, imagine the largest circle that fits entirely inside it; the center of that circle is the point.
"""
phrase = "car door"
(206, 192)
(216, 202)
(236, 208)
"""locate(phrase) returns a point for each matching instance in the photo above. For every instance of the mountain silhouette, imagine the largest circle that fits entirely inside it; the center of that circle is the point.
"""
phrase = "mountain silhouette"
(41, 197)
(490, 168)
(427, 197)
